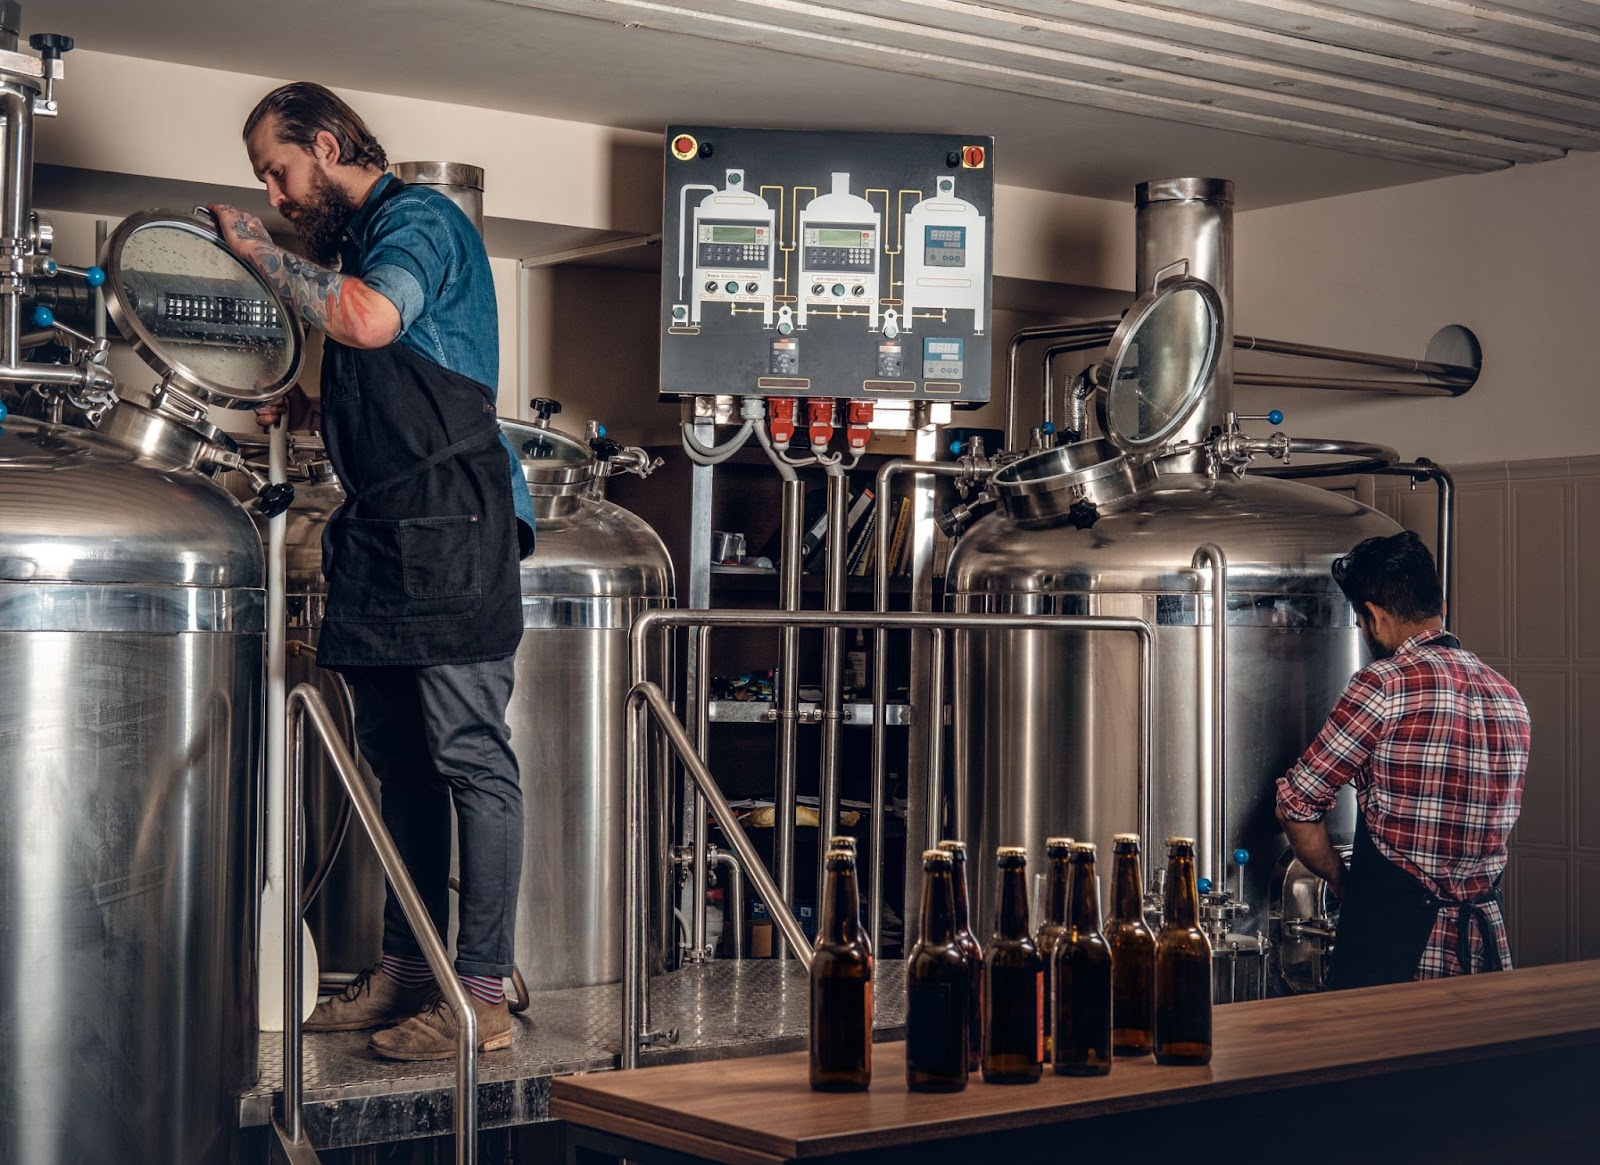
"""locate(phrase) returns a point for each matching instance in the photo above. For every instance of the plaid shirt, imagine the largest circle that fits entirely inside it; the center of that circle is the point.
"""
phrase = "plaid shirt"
(1437, 746)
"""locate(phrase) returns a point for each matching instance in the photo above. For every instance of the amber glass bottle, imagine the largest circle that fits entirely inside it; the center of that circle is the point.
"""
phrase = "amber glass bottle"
(937, 985)
(970, 947)
(1183, 966)
(841, 985)
(1013, 983)
(1133, 954)
(1083, 979)
(1053, 926)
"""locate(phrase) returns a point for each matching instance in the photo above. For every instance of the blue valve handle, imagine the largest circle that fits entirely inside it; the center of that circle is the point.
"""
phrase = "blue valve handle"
(1203, 885)
(4, 411)
(1275, 417)
(1048, 427)
(43, 317)
(95, 277)
(599, 430)
(955, 447)
(1241, 857)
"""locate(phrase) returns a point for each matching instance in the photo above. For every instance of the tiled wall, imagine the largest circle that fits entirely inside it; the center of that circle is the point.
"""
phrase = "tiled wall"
(1528, 602)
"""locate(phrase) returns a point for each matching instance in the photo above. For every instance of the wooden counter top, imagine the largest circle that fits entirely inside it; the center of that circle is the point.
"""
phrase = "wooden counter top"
(761, 1109)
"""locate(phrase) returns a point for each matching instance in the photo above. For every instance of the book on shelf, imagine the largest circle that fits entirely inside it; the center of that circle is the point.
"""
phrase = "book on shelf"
(859, 561)
(813, 551)
(898, 553)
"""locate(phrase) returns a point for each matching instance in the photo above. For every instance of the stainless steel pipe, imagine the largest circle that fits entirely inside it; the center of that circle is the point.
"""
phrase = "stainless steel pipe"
(1101, 329)
(735, 910)
(832, 659)
(702, 732)
(1217, 703)
(305, 703)
(1339, 384)
(1460, 372)
(788, 692)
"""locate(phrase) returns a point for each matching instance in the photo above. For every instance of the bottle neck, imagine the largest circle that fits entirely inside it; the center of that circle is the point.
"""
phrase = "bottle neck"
(841, 907)
(1085, 900)
(1060, 890)
(1182, 905)
(1012, 922)
(1127, 889)
(938, 908)
(958, 891)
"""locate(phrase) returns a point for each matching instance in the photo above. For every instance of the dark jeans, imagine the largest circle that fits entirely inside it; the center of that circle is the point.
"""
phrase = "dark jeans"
(434, 735)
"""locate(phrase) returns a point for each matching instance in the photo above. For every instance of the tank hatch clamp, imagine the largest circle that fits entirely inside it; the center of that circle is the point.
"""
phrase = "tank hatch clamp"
(612, 457)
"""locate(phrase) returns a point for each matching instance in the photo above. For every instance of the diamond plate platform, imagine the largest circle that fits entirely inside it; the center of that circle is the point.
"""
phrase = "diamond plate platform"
(720, 1010)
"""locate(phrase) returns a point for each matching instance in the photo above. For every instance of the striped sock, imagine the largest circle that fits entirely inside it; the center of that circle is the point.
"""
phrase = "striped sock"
(407, 970)
(490, 989)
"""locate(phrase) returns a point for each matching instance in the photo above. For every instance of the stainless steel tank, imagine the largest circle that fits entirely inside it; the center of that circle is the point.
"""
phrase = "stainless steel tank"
(131, 620)
(596, 567)
(1117, 527)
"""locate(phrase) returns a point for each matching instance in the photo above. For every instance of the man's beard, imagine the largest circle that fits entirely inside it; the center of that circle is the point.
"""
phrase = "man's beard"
(320, 221)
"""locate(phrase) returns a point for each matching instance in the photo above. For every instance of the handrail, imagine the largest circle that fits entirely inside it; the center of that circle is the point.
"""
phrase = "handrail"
(304, 703)
(645, 702)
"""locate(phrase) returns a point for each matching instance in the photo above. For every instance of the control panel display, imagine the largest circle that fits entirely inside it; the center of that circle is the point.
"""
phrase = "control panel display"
(945, 247)
(824, 264)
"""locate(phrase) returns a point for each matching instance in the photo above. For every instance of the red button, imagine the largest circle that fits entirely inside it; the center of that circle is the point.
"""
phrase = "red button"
(972, 157)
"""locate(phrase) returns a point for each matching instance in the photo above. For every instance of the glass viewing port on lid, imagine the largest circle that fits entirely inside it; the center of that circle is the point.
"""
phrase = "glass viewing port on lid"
(1158, 363)
(197, 314)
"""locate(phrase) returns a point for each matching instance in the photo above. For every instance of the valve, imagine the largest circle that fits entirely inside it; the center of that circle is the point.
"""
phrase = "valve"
(43, 317)
(1082, 514)
(274, 499)
(604, 448)
(49, 46)
(821, 425)
(546, 408)
(859, 431)
(93, 276)
(1203, 885)
(781, 412)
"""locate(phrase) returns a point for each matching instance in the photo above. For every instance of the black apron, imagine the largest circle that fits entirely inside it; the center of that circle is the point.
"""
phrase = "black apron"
(422, 558)
(1387, 916)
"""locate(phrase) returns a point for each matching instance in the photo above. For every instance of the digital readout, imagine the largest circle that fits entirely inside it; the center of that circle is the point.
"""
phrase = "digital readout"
(833, 237)
(726, 234)
(944, 247)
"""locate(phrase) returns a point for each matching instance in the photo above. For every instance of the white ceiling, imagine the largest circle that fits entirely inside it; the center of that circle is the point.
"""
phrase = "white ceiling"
(1291, 99)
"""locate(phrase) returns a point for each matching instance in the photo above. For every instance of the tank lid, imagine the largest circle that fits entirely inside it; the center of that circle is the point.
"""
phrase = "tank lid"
(550, 458)
(439, 174)
(1155, 370)
(214, 330)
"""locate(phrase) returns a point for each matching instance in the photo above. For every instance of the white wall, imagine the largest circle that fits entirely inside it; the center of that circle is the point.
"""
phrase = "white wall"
(1512, 255)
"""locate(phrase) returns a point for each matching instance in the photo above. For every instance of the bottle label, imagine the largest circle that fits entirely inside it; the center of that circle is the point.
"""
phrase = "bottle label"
(1039, 993)
(934, 1029)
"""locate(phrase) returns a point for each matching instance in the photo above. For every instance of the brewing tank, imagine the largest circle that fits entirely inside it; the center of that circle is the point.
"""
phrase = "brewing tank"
(1055, 738)
(131, 631)
(595, 568)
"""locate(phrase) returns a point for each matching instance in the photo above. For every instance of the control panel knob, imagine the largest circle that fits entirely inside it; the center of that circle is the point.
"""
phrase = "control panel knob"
(817, 289)
(731, 287)
(838, 289)
(545, 407)
(752, 287)
(858, 291)
(711, 284)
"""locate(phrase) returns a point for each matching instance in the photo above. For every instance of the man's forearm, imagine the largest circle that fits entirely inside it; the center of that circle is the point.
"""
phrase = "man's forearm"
(323, 299)
(1313, 845)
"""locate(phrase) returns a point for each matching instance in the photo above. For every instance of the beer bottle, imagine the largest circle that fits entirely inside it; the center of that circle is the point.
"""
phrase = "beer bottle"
(842, 841)
(1133, 955)
(1053, 927)
(969, 946)
(1013, 983)
(937, 986)
(841, 985)
(1083, 979)
(1183, 966)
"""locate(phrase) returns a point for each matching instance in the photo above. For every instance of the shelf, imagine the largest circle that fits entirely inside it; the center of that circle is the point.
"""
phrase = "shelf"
(764, 712)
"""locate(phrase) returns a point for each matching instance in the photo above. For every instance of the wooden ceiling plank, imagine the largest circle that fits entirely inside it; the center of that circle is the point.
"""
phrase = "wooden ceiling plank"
(1461, 155)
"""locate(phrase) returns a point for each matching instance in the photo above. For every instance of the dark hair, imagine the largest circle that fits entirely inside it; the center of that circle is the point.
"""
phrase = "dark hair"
(304, 109)
(1395, 573)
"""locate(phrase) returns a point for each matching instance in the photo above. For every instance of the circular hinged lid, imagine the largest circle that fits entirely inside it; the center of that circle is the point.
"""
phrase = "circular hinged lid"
(197, 314)
(549, 459)
(1158, 363)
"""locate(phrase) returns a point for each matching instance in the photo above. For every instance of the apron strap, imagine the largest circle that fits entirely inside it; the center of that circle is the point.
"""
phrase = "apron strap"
(1469, 915)
(465, 445)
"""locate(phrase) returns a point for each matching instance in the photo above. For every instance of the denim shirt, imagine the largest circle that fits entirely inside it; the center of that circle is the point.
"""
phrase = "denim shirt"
(421, 253)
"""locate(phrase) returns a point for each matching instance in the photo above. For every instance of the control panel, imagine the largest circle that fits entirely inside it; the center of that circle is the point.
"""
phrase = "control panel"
(828, 265)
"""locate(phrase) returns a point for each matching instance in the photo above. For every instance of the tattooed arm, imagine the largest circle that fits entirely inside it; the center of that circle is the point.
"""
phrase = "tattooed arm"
(342, 306)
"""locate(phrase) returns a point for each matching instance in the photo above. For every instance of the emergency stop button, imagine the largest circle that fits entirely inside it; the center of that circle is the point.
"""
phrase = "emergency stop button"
(973, 157)
(684, 147)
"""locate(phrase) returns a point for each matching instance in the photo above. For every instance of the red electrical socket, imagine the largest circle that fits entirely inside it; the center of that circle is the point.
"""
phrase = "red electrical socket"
(859, 431)
(780, 420)
(821, 413)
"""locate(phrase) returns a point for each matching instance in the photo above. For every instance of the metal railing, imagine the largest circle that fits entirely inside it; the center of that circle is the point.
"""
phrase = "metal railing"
(646, 703)
(305, 703)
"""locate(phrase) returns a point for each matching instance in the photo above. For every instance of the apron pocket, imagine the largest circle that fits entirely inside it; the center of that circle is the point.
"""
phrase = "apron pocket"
(440, 557)
(413, 569)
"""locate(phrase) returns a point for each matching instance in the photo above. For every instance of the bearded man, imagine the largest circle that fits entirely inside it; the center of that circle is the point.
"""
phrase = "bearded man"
(424, 606)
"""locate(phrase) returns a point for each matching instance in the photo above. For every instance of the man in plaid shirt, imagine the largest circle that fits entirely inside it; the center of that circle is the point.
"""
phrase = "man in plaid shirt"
(1436, 745)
